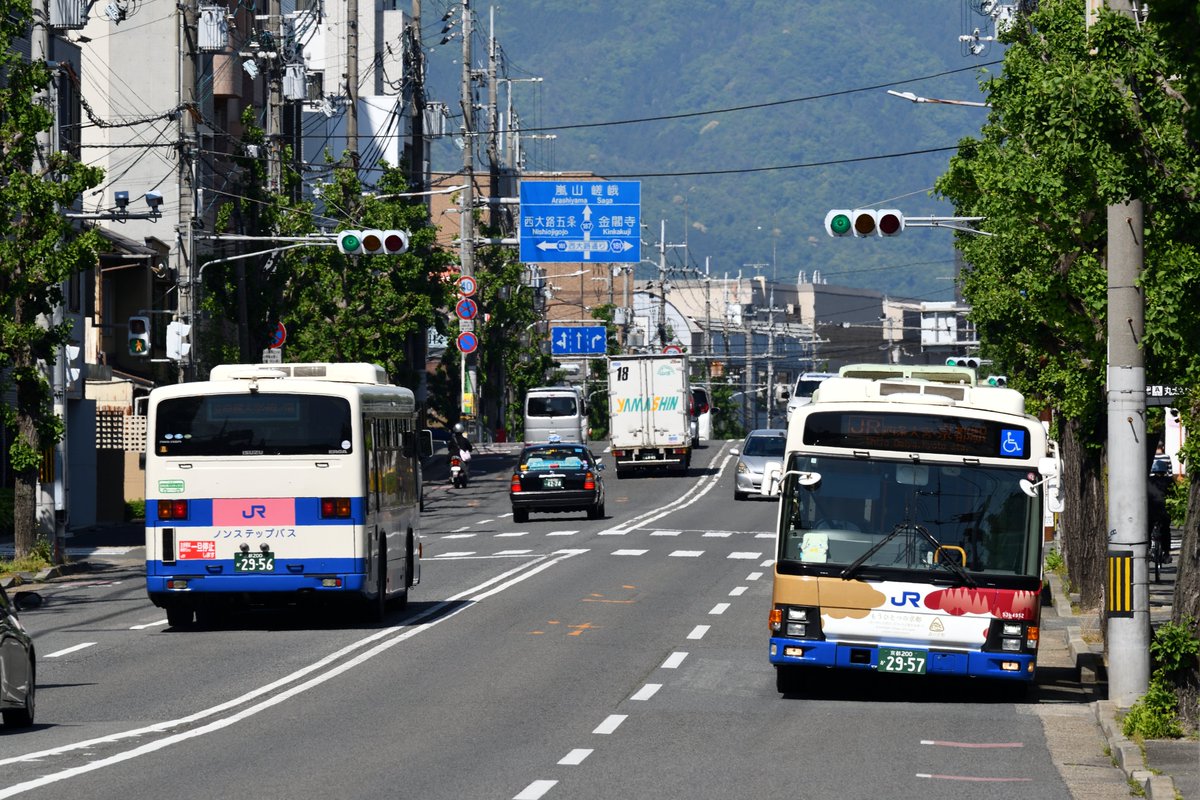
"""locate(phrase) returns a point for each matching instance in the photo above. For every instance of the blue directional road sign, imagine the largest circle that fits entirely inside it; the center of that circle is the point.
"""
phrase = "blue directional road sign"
(585, 340)
(578, 221)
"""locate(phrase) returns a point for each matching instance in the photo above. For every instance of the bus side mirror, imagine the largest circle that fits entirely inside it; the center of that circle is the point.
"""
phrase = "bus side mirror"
(425, 442)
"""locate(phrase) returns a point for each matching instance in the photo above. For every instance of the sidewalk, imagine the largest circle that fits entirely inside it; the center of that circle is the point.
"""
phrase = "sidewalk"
(1166, 769)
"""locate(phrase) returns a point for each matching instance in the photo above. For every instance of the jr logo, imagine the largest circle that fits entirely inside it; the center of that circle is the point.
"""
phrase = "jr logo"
(260, 511)
(906, 598)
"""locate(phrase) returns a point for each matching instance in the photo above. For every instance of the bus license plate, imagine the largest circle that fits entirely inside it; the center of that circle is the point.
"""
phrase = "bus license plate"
(909, 662)
(254, 562)
(552, 483)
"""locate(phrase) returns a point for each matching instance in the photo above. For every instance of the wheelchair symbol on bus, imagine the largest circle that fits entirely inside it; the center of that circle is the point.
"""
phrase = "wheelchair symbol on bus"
(1012, 443)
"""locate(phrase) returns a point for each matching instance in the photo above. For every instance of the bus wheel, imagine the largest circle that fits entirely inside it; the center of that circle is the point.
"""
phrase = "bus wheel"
(785, 679)
(377, 606)
(401, 600)
(180, 616)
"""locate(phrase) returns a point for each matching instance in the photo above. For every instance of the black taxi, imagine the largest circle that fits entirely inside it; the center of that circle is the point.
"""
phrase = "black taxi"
(557, 477)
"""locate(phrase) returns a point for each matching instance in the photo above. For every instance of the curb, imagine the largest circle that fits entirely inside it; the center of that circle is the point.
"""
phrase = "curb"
(43, 576)
(1126, 753)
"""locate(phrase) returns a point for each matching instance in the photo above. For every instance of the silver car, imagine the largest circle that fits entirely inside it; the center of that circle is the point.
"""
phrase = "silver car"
(18, 666)
(761, 446)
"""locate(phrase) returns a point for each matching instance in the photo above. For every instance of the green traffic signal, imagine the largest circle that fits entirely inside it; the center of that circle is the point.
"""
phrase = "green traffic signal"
(837, 223)
(349, 243)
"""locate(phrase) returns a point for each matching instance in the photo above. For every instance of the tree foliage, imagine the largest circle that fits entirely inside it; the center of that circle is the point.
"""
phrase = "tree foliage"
(1081, 118)
(39, 249)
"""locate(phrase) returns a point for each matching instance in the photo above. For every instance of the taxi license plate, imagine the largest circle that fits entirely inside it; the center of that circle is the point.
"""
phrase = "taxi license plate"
(551, 483)
(908, 662)
(254, 562)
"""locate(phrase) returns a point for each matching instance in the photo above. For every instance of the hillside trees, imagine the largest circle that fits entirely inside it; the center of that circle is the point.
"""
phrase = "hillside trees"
(1070, 131)
(38, 251)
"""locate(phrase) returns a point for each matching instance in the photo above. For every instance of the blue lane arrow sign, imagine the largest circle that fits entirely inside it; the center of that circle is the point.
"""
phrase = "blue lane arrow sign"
(576, 341)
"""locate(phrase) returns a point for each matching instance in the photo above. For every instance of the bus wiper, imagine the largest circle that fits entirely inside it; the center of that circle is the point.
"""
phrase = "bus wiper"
(907, 527)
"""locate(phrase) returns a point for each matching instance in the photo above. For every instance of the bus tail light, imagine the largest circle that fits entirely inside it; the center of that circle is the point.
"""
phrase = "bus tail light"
(335, 508)
(172, 509)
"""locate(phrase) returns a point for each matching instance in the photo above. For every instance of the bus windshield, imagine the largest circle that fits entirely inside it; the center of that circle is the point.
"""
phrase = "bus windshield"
(252, 424)
(865, 516)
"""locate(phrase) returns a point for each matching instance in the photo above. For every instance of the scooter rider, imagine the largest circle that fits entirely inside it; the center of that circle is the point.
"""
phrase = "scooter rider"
(462, 444)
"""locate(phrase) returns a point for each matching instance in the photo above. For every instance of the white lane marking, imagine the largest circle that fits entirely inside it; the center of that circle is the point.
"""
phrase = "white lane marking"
(764, 536)
(717, 534)
(460, 530)
(674, 660)
(696, 491)
(459, 535)
(512, 533)
(647, 691)
(458, 554)
(630, 552)
(753, 576)
(154, 624)
(737, 591)
(719, 608)
(485, 521)
(575, 757)
(687, 553)
(562, 533)
(71, 649)
(698, 632)
(744, 555)
(770, 562)
(513, 552)
(399, 633)
(610, 724)
(665, 533)
(535, 790)
(613, 532)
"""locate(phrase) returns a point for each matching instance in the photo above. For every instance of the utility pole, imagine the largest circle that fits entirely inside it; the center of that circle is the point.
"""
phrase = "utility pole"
(185, 232)
(467, 218)
(493, 150)
(275, 100)
(1128, 593)
(352, 83)
(415, 58)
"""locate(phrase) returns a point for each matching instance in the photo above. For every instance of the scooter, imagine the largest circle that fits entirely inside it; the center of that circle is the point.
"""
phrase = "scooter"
(458, 472)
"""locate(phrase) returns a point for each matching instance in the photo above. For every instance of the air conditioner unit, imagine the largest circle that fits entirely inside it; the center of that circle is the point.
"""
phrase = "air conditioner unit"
(68, 15)
(213, 29)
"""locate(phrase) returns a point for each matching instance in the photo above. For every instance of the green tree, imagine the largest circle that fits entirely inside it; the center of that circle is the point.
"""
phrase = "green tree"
(39, 249)
(364, 308)
(1080, 119)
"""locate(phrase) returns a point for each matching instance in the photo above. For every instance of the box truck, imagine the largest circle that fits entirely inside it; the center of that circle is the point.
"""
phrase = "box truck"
(649, 421)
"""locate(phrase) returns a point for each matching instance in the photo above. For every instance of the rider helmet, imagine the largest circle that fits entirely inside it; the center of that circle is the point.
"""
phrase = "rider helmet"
(458, 427)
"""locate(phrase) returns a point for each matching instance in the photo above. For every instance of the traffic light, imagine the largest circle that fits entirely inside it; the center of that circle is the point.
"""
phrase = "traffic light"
(139, 336)
(372, 243)
(178, 345)
(963, 361)
(997, 380)
(862, 222)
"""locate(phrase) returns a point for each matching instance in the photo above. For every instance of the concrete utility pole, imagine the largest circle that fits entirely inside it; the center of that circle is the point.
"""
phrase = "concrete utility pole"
(415, 58)
(185, 270)
(352, 82)
(467, 218)
(275, 101)
(493, 149)
(1128, 594)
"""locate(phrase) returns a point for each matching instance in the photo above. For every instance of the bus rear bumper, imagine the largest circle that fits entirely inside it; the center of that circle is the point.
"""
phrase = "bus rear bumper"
(976, 664)
(166, 584)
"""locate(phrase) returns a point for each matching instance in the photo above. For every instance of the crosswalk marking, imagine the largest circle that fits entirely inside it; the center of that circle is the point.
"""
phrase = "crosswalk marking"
(687, 553)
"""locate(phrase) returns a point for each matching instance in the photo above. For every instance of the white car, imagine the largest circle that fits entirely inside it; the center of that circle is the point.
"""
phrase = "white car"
(802, 392)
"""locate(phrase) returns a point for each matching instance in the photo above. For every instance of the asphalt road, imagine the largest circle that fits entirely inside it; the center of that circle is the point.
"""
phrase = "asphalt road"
(563, 658)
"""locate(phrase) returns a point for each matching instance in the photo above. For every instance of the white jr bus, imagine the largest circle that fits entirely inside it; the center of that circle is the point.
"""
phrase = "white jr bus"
(273, 483)
(910, 528)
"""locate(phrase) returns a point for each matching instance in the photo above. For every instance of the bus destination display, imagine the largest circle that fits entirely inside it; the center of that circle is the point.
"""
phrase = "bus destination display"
(929, 433)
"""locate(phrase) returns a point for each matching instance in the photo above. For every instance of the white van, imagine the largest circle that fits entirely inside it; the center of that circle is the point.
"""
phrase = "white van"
(556, 410)
(802, 392)
(702, 413)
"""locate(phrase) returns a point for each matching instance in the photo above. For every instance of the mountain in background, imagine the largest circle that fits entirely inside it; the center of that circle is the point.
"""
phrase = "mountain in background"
(748, 186)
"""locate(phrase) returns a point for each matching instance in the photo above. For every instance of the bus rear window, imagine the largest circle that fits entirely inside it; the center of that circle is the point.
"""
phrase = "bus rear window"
(252, 425)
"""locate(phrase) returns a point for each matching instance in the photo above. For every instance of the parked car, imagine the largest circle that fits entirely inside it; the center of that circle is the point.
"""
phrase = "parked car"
(18, 664)
(557, 477)
(760, 446)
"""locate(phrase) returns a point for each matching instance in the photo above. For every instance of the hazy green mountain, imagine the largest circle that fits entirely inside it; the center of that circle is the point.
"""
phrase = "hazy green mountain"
(618, 60)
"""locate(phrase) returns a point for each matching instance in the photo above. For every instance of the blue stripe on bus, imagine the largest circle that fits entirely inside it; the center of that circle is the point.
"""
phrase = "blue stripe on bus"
(974, 664)
(308, 512)
(218, 576)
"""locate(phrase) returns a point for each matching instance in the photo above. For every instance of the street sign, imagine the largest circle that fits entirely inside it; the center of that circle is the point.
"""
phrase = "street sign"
(576, 341)
(467, 342)
(467, 286)
(466, 308)
(278, 337)
(1158, 395)
(673, 349)
(577, 221)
